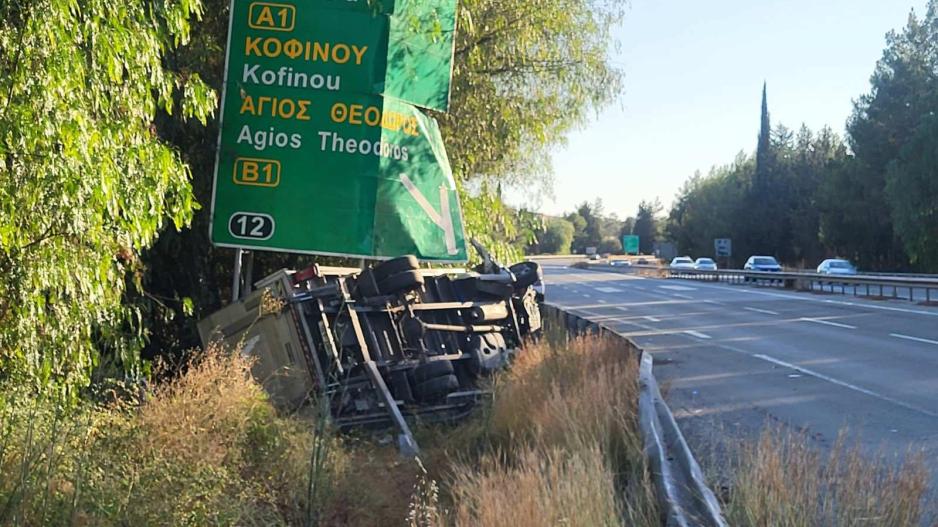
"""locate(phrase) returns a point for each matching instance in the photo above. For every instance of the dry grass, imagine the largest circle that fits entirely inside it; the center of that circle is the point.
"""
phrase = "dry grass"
(782, 481)
(541, 487)
(561, 443)
(207, 449)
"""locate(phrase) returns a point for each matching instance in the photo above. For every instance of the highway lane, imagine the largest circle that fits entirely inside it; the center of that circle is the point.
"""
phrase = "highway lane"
(734, 356)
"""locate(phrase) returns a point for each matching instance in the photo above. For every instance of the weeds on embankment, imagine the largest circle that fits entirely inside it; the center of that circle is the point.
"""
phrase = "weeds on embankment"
(206, 449)
(782, 480)
(557, 445)
(560, 444)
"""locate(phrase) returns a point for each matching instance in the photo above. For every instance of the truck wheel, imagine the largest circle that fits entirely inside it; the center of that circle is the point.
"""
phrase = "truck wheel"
(432, 370)
(436, 389)
(392, 267)
(365, 286)
(526, 274)
(400, 282)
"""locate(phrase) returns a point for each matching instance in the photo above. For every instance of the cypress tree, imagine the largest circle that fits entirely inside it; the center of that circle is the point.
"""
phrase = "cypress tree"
(763, 151)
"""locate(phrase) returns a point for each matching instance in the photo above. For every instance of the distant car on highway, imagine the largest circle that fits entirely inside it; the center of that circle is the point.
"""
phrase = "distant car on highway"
(620, 263)
(682, 263)
(594, 257)
(705, 264)
(763, 263)
(837, 266)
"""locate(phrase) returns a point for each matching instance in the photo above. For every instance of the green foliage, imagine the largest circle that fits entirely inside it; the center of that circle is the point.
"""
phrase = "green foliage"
(525, 74)
(912, 188)
(504, 231)
(805, 197)
(647, 226)
(556, 238)
(857, 217)
(85, 184)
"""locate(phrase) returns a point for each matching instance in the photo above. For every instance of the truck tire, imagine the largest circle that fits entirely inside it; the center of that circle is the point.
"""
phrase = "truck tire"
(436, 389)
(400, 282)
(365, 285)
(432, 370)
(392, 267)
(526, 274)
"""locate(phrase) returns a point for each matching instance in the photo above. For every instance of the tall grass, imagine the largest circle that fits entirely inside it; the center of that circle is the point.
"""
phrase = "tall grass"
(781, 480)
(206, 449)
(560, 444)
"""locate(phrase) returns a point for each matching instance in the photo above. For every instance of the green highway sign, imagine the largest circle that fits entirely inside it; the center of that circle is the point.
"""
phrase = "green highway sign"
(362, 176)
(367, 6)
(630, 244)
(312, 159)
(290, 46)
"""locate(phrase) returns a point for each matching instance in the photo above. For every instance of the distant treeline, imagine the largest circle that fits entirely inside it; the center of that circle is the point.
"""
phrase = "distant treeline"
(871, 197)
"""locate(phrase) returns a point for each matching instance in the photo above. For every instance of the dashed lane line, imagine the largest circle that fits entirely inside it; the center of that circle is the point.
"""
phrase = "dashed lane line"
(914, 339)
(841, 383)
(827, 323)
(763, 311)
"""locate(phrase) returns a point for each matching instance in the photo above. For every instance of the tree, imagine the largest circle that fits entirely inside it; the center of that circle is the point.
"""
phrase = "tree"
(646, 225)
(856, 216)
(557, 238)
(713, 206)
(85, 184)
(764, 147)
(590, 235)
(912, 188)
(525, 74)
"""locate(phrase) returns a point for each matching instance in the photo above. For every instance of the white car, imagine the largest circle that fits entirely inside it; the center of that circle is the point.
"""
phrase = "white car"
(705, 264)
(682, 263)
(837, 266)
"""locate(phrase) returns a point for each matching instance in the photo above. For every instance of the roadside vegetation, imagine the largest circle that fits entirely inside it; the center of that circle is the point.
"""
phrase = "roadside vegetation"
(781, 479)
(558, 444)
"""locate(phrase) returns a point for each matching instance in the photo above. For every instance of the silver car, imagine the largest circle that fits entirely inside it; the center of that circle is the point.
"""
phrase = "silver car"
(837, 266)
(705, 264)
(682, 263)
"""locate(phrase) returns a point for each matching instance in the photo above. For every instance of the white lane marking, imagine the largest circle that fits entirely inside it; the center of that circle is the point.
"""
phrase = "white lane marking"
(677, 288)
(763, 311)
(698, 335)
(608, 289)
(847, 385)
(712, 302)
(652, 319)
(827, 323)
(685, 297)
(809, 298)
(620, 308)
(586, 296)
(915, 339)
(601, 301)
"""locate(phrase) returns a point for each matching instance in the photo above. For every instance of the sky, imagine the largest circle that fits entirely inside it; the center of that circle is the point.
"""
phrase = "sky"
(693, 86)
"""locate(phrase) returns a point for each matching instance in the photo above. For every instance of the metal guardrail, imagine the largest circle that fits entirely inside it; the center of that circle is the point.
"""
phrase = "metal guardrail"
(860, 285)
(683, 495)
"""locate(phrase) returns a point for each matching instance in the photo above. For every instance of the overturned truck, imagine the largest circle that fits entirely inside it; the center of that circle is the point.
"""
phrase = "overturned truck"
(385, 343)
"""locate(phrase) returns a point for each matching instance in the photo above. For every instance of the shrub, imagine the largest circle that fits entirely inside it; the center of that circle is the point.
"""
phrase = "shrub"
(205, 449)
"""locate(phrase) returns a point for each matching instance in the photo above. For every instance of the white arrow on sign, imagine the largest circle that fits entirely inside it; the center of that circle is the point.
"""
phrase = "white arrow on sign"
(442, 219)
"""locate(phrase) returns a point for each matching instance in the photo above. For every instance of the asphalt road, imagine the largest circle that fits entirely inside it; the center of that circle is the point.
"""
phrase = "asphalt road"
(734, 357)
